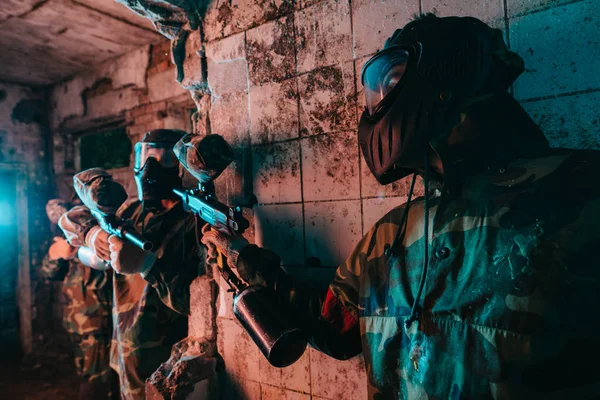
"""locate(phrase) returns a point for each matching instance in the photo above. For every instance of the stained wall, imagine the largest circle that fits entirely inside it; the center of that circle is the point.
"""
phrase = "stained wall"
(283, 79)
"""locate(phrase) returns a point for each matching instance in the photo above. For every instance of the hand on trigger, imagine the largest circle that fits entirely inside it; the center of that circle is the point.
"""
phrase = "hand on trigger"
(97, 240)
(127, 259)
(217, 242)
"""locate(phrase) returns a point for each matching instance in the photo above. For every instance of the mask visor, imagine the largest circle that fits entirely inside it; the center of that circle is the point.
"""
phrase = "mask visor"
(161, 152)
(381, 74)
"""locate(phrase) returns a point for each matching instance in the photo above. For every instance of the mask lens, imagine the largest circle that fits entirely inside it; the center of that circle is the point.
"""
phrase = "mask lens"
(381, 74)
(161, 152)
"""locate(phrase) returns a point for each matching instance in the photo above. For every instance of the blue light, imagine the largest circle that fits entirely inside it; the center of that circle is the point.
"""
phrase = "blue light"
(6, 213)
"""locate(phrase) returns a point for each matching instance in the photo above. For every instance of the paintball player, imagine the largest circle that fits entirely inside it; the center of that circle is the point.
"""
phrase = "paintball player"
(151, 289)
(479, 289)
(86, 315)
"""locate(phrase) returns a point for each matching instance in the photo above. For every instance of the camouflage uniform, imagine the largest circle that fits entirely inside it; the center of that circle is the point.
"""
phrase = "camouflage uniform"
(86, 315)
(512, 271)
(149, 314)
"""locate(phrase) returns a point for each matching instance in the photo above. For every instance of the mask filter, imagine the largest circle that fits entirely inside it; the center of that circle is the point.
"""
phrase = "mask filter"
(155, 182)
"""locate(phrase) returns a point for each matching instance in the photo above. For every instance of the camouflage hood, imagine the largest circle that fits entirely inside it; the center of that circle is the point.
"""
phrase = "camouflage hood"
(494, 131)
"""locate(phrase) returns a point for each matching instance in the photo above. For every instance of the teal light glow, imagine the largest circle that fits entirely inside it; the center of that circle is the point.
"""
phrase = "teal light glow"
(6, 213)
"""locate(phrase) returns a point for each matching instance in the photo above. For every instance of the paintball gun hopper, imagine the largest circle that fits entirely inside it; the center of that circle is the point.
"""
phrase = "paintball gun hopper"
(204, 157)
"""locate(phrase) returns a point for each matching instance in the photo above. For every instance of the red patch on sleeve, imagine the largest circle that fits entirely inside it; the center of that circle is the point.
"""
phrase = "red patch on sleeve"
(337, 314)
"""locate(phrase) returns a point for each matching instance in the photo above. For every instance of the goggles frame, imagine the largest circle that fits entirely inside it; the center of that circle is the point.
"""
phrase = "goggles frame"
(168, 160)
(414, 58)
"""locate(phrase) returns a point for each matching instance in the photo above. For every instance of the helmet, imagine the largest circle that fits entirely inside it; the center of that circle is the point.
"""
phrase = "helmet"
(416, 87)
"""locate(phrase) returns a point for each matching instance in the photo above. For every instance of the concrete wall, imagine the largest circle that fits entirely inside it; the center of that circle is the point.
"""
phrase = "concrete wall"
(24, 137)
(283, 81)
(137, 90)
(280, 80)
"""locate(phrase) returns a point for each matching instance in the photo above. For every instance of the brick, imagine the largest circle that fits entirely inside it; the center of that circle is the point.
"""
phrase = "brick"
(276, 172)
(277, 393)
(327, 100)
(147, 109)
(375, 209)
(270, 49)
(330, 167)
(149, 118)
(569, 121)
(225, 300)
(229, 117)
(238, 351)
(201, 323)
(280, 228)
(360, 93)
(160, 52)
(334, 379)
(489, 11)
(225, 19)
(323, 34)
(235, 388)
(332, 230)
(563, 64)
(194, 78)
(519, 7)
(372, 188)
(111, 103)
(227, 66)
(163, 86)
(296, 377)
(375, 20)
(274, 112)
(233, 186)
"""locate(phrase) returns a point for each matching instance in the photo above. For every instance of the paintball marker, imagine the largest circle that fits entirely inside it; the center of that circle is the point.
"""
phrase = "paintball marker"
(264, 318)
(103, 196)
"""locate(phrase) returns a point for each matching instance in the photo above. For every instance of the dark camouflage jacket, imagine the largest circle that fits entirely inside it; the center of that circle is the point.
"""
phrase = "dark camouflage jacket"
(509, 305)
(86, 295)
(150, 314)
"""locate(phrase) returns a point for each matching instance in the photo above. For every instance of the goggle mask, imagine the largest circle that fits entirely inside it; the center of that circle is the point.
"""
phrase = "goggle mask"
(162, 152)
(384, 75)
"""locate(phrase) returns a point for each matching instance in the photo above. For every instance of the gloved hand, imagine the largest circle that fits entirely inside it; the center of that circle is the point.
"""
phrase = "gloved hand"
(76, 223)
(127, 259)
(61, 249)
(217, 242)
(97, 240)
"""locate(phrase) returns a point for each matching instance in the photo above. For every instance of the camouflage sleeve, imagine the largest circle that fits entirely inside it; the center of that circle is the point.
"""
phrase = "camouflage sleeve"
(176, 267)
(53, 270)
(332, 328)
(75, 223)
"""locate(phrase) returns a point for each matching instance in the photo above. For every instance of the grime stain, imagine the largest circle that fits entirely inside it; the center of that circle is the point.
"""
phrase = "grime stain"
(29, 111)
(325, 105)
(272, 61)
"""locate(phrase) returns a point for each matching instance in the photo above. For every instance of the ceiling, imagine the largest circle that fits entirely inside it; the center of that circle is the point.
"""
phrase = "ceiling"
(43, 42)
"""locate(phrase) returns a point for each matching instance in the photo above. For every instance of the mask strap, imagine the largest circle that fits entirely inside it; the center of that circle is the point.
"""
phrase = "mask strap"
(414, 314)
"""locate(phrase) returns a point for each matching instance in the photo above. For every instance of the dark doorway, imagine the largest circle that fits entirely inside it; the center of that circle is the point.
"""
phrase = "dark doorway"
(10, 345)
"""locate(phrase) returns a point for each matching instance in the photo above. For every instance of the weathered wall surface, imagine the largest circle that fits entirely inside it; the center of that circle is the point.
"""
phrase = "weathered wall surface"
(24, 137)
(137, 90)
(281, 80)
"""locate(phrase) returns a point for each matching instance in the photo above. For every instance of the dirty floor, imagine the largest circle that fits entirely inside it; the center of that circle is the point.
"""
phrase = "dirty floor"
(38, 379)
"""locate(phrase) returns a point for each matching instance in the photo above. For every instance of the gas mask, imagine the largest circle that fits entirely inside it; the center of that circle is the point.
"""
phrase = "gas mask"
(416, 87)
(156, 168)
